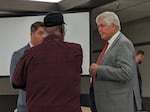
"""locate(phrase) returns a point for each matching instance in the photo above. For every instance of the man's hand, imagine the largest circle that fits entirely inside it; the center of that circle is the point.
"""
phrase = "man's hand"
(93, 68)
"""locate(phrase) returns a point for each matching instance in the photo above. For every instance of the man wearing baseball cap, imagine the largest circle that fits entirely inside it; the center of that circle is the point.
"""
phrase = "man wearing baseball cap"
(50, 72)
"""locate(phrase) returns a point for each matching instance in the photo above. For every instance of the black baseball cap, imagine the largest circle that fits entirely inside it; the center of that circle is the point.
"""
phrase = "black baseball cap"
(53, 18)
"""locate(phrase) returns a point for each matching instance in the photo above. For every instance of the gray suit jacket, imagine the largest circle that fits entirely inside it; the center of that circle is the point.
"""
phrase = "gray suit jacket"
(116, 84)
(21, 103)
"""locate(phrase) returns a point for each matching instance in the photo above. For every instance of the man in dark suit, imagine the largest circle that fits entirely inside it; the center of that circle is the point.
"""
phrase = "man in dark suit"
(114, 74)
(50, 72)
(139, 59)
(36, 37)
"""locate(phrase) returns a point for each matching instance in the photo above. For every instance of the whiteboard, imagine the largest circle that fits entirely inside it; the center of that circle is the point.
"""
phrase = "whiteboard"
(15, 33)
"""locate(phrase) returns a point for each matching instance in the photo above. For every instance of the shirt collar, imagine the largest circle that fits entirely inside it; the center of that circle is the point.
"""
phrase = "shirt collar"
(53, 37)
(30, 44)
(112, 39)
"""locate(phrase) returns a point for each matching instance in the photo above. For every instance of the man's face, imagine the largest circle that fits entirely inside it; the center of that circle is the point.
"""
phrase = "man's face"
(140, 58)
(38, 36)
(105, 30)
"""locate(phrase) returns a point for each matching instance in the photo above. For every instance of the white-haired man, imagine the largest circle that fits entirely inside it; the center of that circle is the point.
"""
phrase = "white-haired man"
(114, 74)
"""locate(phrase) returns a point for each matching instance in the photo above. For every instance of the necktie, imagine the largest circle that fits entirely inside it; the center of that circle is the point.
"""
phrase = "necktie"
(102, 53)
(100, 59)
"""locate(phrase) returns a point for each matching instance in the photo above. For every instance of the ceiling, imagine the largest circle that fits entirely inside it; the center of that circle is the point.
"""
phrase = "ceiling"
(128, 10)
(25, 7)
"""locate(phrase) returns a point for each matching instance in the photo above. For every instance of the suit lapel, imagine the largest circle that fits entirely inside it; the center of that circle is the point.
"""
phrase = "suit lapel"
(28, 46)
(113, 44)
(115, 41)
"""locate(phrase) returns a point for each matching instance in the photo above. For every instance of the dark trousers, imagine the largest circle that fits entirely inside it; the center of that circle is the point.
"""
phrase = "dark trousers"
(92, 99)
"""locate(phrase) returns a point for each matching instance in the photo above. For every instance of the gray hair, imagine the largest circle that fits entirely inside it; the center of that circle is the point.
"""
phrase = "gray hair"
(109, 17)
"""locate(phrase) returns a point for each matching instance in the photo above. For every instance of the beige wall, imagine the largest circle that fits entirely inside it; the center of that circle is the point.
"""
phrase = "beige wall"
(6, 88)
(139, 32)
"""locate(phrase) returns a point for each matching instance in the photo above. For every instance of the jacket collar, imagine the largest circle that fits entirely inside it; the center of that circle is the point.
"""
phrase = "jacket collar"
(53, 37)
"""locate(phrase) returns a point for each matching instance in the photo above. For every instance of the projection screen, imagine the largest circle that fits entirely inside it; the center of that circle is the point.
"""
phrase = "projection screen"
(15, 33)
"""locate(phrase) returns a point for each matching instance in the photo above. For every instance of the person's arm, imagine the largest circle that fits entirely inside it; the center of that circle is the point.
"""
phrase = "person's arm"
(14, 59)
(78, 54)
(19, 75)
